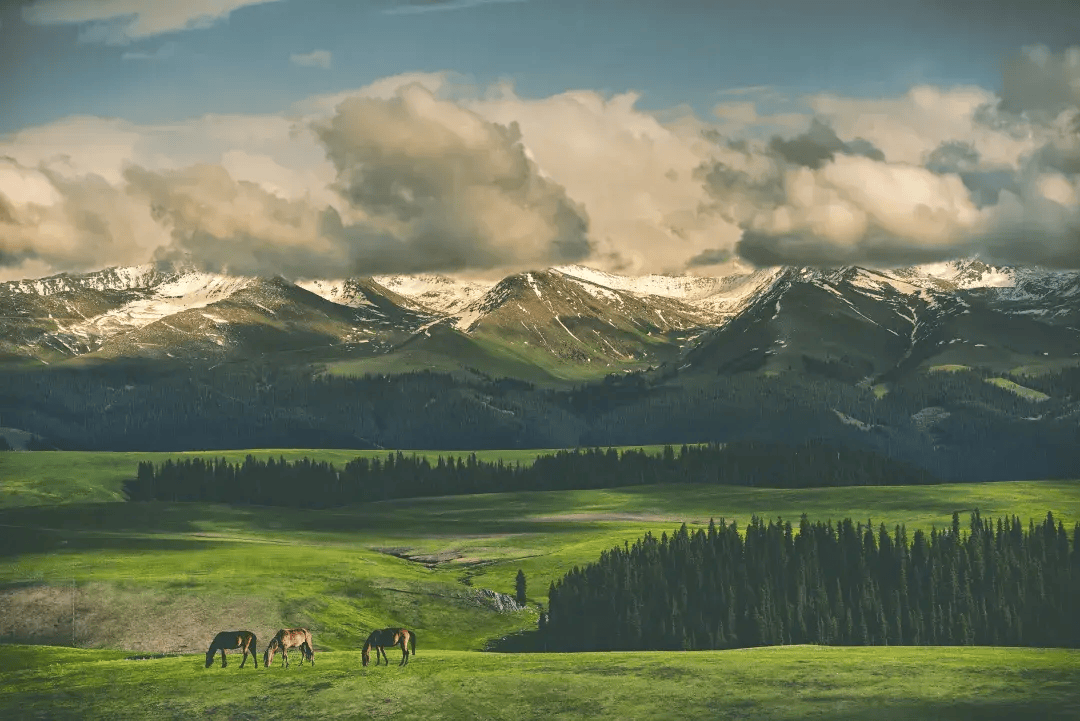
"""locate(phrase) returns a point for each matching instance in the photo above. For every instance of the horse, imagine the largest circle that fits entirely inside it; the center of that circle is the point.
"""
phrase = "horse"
(287, 638)
(244, 640)
(384, 637)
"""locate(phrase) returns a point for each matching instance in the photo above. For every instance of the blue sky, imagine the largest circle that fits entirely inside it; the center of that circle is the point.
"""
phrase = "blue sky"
(676, 52)
(307, 137)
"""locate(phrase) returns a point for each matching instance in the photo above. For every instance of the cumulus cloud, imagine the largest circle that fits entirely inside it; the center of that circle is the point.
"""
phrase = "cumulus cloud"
(49, 221)
(457, 190)
(633, 174)
(314, 59)
(423, 172)
(119, 22)
(933, 174)
(385, 184)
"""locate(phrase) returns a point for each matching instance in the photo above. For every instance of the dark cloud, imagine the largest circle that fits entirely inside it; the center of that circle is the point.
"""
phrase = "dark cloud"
(819, 145)
(1041, 83)
(876, 249)
(985, 185)
(713, 256)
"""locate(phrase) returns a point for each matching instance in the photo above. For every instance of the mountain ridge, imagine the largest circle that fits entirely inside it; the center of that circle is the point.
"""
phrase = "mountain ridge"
(767, 319)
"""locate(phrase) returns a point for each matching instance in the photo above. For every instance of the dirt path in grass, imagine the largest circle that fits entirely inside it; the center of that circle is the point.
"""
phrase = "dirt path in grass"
(107, 617)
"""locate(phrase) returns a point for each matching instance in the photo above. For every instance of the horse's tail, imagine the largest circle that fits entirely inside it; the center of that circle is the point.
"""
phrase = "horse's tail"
(412, 642)
(254, 649)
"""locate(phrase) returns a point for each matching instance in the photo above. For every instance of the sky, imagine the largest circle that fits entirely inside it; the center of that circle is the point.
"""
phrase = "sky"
(317, 138)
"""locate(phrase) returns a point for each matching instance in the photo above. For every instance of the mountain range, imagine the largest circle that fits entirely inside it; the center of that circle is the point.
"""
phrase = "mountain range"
(965, 370)
(572, 322)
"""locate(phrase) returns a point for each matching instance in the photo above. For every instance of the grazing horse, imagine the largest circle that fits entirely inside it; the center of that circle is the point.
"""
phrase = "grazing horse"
(287, 638)
(244, 640)
(385, 637)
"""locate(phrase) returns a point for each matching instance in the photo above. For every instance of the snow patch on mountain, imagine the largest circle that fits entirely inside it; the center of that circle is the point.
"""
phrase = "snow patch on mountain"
(439, 293)
(189, 290)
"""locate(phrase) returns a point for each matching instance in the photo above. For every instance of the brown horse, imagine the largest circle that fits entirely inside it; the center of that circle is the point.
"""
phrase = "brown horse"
(244, 640)
(287, 638)
(389, 637)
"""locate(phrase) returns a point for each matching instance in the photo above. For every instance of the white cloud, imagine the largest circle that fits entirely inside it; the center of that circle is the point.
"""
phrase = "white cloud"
(167, 50)
(323, 105)
(633, 174)
(424, 172)
(314, 59)
(118, 22)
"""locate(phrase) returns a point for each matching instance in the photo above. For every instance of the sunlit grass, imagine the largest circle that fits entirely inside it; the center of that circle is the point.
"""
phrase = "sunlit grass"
(1022, 391)
(416, 561)
(948, 368)
(774, 683)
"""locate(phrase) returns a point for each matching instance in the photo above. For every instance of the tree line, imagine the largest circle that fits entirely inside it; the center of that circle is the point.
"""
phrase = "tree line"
(994, 583)
(981, 432)
(318, 484)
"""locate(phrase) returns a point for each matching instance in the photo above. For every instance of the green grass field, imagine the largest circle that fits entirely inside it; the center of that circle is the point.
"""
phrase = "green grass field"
(1022, 391)
(794, 682)
(159, 578)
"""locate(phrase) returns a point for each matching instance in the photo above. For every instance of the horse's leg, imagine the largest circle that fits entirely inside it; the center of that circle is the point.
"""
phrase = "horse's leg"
(224, 663)
(285, 656)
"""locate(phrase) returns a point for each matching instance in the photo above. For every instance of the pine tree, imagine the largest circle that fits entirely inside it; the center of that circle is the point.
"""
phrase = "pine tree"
(520, 584)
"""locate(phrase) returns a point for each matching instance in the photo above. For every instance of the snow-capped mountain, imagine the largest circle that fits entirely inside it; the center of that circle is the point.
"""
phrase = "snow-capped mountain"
(854, 323)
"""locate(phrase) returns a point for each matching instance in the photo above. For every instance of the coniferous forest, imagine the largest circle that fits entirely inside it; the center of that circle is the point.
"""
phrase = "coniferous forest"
(992, 583)
(955, 426)
(751, 463)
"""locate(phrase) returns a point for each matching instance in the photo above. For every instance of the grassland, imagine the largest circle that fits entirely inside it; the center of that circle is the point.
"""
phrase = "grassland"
(772, 683)
(1023, 391)
(490, 353)
(948, 368)
(158, 578)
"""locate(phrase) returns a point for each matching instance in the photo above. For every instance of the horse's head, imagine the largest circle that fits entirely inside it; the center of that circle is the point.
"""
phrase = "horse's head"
(210, 657)
(268, 652)
(365, 655)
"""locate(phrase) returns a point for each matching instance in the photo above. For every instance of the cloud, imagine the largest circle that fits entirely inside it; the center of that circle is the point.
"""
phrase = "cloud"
(119, 22)
(819, 145)
(423, 172)
(165, 51)
(633, 174)
(415, 7)
(324, 105)
(458, 192)
(48, 221)
(1041, 83)
(314, 59)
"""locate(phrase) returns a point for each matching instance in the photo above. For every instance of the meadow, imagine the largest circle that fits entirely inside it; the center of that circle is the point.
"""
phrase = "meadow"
(794, 682)
(157, 578)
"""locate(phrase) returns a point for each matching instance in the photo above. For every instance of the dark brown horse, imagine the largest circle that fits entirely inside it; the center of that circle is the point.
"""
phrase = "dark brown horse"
(229, 640)
(389, 637)
(287, 638)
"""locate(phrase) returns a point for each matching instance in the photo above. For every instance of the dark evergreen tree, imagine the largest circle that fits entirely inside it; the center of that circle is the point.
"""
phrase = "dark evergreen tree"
(519, 585)
(842, 584)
